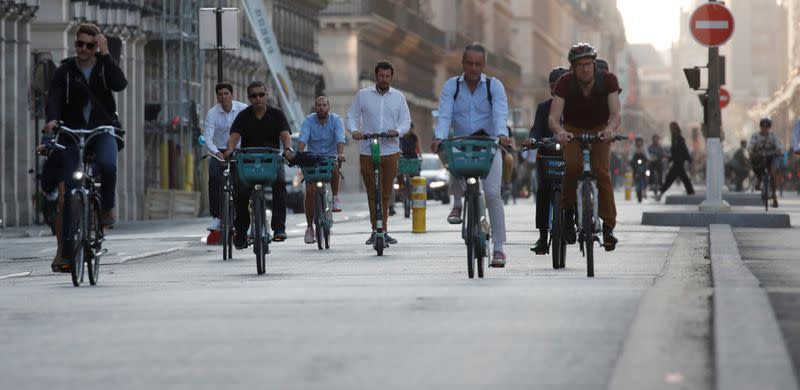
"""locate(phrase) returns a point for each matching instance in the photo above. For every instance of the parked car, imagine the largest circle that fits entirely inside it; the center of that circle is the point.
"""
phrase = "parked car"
(437, 176)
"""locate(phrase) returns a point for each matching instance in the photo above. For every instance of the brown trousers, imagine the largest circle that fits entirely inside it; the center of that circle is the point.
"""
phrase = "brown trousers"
(388, 173)
(601, 166)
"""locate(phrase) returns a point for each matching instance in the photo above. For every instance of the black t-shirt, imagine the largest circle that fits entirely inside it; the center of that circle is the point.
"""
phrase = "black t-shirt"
(260, 132)
(408, 145)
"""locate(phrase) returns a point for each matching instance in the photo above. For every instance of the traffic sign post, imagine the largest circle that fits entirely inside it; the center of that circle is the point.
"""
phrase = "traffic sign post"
(711, 24)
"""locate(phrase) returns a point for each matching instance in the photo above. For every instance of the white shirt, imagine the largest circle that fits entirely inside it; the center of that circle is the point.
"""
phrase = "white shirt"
(218, 126)
(372, 113)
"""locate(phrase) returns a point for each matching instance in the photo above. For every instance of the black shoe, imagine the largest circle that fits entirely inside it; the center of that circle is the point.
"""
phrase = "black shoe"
(541, 247)
(609, 241)
(239, 241)
(569, 234)
(391, 211)
(389, 239)
(371, 239)
(279, 236)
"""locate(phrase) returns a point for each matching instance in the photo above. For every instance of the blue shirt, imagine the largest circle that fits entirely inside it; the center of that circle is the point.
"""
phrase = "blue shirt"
(471, 111)
(322, 138)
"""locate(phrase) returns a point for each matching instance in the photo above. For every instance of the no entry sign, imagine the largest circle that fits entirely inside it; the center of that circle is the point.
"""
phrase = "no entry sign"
(711, 24)
(724, 97)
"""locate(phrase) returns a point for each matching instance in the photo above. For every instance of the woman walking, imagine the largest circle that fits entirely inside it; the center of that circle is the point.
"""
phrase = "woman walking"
(679, 155)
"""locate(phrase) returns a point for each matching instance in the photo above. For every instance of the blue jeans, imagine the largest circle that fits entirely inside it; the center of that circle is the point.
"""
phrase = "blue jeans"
(104, 149)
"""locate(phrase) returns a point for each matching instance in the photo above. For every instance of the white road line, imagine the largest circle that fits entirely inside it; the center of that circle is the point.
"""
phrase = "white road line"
(17, 275)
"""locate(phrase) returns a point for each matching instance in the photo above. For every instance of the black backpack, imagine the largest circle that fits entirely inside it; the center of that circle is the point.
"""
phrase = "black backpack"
(597, 90)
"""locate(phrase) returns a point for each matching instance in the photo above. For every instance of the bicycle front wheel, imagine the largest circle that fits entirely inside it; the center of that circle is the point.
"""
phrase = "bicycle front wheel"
(587, 229)
(556, 231)
(258, 234)
(74, 234)
(765, 186)
(94, 242)
(319, 213)
(470, 237)
(225, 228)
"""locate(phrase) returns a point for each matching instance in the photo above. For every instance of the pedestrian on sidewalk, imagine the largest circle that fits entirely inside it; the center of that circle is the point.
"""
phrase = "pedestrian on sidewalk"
(679, 155)
(216, 132)
(796, 138)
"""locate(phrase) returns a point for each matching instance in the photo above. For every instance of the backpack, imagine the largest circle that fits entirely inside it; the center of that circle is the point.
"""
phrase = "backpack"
(488, 90)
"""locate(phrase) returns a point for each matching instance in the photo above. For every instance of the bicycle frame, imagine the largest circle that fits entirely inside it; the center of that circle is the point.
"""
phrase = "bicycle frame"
(375, 149)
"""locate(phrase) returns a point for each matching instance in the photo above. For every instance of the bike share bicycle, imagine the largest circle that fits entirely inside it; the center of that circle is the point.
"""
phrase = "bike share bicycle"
(587, 205)
(228, 209)
(552, 170)
(470, 158)
(766, 180)
(375, 149)
(318, 169)
(258, 167)
(407, 168)
(83, 232)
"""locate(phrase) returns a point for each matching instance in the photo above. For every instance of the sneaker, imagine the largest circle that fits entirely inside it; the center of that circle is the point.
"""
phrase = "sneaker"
(213, 225)
(609, 241)
(454, 218)
(498, 260)
(239, 241)
(391, 211)
(337, 204)
(569, 233)
(371, 239)
(280, 236)
(541, 247)
(389, 239)
(309, 237)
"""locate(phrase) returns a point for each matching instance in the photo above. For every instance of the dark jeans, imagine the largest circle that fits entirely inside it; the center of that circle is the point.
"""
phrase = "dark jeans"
(544, 195)
(215, 184)
(104, 149)
(676, 171)
(241, 197)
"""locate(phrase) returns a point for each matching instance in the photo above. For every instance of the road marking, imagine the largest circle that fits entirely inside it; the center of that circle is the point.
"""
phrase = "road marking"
(711, 24)
(17, 275)
(149, 254)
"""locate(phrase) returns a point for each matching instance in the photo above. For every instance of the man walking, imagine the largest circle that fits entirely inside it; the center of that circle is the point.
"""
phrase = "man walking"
(379, 109)
(472, 103)
(217, 131)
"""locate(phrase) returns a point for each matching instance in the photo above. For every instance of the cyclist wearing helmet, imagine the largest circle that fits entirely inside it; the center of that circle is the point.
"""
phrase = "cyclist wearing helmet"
(764, 147)
(540, 130)
(588, 103)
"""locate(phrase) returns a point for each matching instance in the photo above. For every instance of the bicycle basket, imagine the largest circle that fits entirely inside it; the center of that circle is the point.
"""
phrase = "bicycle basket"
(322, 171)
(551, 167)
(258, 168)
(470, 157)
(409, 166)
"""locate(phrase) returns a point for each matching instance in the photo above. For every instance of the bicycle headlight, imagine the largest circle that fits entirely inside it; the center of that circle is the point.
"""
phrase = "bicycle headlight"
(639, 161)
(558, 146)
(471, 180)
(78, 175)
(647, 172)
(396, 186)
(319, 184)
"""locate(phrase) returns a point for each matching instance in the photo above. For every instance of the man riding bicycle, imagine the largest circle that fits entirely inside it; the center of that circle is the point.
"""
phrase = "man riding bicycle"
(588, 101)
(80, 96)
(474, 103)
(260, 125)
(379, 109)
(323, 134)
(764, 148)
(544, 192)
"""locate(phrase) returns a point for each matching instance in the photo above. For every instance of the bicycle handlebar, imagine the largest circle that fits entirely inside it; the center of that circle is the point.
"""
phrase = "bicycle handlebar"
(589, 138)
(547, 142)
(377, 135)
(87, 133)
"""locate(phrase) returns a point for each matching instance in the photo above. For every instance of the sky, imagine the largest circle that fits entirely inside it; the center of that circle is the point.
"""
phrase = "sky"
(652, 21)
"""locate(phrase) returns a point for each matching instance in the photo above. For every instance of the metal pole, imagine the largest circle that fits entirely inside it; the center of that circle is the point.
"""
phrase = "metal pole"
(219, 42)
(714, 124)
(714, 163)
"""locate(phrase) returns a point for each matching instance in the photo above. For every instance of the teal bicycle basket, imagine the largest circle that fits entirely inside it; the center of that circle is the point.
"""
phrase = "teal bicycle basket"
(409, 166)
(470, 157)
(320, 172)
(258, 168)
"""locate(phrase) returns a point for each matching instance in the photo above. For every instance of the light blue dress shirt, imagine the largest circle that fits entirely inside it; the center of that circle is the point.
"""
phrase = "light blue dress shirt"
(322, 138)
(471, 111)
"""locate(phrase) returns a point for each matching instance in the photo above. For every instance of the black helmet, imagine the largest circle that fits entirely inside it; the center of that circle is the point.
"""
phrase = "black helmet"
(602, 65)
(556, 73)
(765, 121)
(581, 50)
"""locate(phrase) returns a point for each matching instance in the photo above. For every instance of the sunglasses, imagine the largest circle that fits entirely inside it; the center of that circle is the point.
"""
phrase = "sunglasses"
(80, 44)
(255, 95)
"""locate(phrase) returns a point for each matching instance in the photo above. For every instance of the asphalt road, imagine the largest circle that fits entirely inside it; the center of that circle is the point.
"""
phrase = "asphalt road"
(336, 319)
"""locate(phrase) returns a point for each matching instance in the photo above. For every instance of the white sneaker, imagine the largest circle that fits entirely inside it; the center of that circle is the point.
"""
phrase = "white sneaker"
(309, 237)
(214, 224)
(337, 204)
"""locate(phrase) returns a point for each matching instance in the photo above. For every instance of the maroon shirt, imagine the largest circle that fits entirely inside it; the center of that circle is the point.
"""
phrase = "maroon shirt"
(585, 112)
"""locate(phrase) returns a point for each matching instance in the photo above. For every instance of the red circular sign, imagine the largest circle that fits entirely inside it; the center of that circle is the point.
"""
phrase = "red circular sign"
(724, 97)
(711, 24)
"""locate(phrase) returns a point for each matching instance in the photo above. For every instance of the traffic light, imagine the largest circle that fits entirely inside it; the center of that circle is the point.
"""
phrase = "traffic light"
(693, 77)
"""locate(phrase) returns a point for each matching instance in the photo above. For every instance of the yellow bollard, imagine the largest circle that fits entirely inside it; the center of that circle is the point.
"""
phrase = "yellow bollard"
(628, 185)
(419, 196)
(188, 184)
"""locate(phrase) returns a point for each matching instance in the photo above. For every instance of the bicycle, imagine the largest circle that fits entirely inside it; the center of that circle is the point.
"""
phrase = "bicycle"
(552, 169)
(258, 167)
(587, 205)
(320, 173)
(226, 222)
(375, 148)
(407, 168)
(766, 181)
(83, 232)
(471, 158)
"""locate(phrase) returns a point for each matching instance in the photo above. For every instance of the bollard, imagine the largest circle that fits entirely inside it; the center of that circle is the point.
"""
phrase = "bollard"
(628, 185)
(419, 195)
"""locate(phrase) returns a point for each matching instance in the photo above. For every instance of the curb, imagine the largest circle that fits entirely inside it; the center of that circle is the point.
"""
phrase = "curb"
(749, 349)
